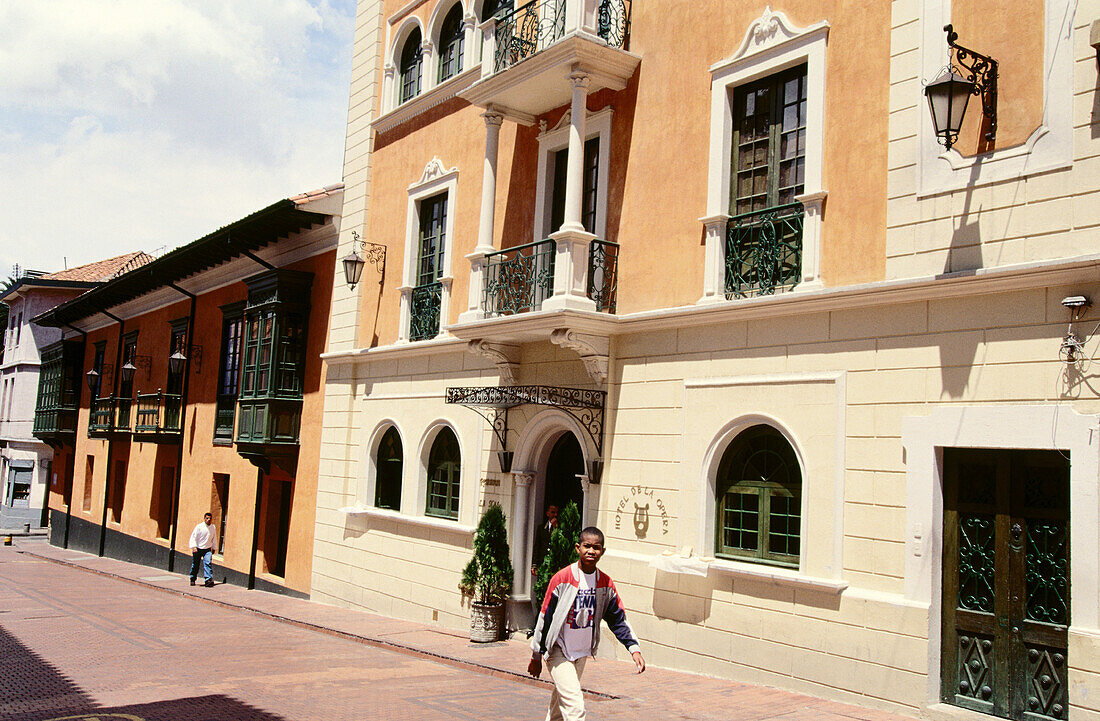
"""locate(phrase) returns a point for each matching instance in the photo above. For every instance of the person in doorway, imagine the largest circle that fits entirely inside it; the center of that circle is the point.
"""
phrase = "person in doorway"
(568, 628)
(202, 542)
(542, 545)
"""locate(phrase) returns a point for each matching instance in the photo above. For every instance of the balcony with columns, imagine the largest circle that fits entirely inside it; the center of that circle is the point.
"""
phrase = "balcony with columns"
(568, 280)
(531, 51)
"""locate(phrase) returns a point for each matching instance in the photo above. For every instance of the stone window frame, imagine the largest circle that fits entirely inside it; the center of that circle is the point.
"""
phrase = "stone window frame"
(772, 44)
(435, 180)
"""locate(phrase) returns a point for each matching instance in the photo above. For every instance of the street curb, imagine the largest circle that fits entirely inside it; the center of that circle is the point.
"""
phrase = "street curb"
(347, 635)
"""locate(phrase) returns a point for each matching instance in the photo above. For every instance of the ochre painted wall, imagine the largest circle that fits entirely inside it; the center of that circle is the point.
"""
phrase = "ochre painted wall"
(1015, 40)
(659, 156)
(202, 459)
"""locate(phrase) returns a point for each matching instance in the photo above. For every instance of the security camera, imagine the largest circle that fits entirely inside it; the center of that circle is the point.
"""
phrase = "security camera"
(1076, 301)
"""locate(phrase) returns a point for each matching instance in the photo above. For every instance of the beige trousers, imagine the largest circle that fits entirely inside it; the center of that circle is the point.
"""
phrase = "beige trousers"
(567, 701)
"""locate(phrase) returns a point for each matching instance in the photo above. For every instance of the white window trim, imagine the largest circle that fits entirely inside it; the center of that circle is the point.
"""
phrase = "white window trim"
(771, 44)
(1055, 427)
(432, 92)
(826, 565)
(468, 473)
(369, 462)
(557, 138)
(1048, 148)
(435, 180)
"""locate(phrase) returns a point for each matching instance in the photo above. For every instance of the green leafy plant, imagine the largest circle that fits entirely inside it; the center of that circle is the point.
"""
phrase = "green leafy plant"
(488, 575)
(563, 548)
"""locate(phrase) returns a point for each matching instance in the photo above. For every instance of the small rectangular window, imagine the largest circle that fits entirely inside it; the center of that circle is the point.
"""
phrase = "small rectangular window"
(229, 371)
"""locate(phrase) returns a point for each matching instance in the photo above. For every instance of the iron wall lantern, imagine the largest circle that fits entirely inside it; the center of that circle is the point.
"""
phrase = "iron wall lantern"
(92, 378)
(176, 363)
(353, 262)
(505, 460)
(948, 95)
(126, 372)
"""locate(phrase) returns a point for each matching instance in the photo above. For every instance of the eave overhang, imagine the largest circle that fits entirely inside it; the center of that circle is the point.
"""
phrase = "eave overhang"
(244, 236)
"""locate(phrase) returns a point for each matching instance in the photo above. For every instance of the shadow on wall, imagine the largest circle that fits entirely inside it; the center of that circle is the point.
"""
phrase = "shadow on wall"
(689, 599)
(32, 689)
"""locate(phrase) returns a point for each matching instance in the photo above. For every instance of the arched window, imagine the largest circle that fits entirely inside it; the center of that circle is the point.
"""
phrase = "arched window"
(410, 66)
(387, 484)
(759, 495)
(450, 44)
(443, 471)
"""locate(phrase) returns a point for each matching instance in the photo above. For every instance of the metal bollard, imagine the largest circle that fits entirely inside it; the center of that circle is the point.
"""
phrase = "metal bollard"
(7, 540)
(26, 528)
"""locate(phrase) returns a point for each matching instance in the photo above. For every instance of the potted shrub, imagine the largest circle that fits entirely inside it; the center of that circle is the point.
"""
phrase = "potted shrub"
(487, 578)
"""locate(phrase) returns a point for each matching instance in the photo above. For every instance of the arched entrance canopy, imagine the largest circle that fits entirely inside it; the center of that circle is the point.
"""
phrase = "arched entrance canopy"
(584, 405)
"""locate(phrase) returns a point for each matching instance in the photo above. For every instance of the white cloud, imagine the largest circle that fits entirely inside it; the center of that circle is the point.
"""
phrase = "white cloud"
(133, 124)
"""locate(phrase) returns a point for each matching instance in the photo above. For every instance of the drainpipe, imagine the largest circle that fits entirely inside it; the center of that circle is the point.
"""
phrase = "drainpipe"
(183, 424)
(72, 465)
(110, 440)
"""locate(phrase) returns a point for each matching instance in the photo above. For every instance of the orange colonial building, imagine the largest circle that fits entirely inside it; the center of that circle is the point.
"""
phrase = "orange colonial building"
(201, 382)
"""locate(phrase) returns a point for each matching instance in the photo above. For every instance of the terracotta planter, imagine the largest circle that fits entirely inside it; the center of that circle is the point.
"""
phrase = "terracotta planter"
(486, 622)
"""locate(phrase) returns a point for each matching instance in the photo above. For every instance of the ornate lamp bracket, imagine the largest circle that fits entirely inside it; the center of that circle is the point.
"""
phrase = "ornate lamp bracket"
(980, 70)
(374, 253)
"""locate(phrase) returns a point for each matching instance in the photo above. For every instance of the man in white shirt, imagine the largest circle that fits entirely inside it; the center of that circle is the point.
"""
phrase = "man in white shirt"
(203, 540)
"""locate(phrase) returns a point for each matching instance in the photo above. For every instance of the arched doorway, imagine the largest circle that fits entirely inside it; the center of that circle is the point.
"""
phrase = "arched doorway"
(564, 464)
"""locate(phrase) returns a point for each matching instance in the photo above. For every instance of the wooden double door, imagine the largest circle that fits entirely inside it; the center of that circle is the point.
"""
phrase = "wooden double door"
(1006, 582)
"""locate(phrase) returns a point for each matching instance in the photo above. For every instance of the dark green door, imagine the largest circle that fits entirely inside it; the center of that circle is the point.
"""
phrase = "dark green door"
(1006, 582)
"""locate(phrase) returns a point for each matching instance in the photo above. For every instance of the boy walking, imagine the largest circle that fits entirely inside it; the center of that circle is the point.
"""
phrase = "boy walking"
(568, 629)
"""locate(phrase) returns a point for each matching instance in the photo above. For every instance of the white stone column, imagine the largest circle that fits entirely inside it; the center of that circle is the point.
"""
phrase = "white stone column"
(572, 241)
(714, 259)
(811, 240)
(389, 91)
(429, 66)
(404, 313)
(488, 46)
(521, 543)
(487, 221)
(574, 177)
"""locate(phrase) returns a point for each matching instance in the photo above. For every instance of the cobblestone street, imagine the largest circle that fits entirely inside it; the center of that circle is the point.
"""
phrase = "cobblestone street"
(79, 644)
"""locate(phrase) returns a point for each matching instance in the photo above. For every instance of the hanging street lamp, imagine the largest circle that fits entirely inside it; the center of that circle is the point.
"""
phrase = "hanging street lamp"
(948, 95)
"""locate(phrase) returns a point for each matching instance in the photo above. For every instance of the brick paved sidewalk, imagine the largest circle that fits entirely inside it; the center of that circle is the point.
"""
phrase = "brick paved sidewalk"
(657, 694)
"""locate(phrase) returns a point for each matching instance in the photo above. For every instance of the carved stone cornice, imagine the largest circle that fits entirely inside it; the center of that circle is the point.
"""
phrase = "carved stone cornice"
(505, 357)
(593, 350)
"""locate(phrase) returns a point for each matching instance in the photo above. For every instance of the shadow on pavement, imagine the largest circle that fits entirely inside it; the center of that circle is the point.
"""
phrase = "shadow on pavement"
(32, 689)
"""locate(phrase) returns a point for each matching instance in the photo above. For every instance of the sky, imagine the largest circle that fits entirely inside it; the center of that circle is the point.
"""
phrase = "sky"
(145, 124)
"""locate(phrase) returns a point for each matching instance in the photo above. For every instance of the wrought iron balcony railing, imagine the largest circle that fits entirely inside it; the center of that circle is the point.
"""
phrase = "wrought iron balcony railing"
(424, 316)
(158, 413)
(519, 279)
(528, 29)
(110, 415)
(603, 265)
(764, 251)
(534, 26)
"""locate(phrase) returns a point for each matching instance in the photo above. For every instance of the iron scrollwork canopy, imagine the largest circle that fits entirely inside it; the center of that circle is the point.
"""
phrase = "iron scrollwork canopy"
(584, 405)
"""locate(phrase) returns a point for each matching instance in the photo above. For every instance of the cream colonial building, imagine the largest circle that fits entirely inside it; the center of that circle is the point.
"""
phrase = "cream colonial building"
(704, 268)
